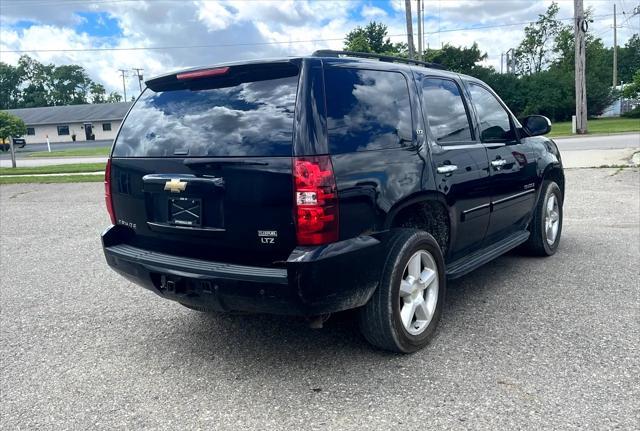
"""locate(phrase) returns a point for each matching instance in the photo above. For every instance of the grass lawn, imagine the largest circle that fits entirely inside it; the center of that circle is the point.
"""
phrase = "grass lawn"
(74, 152)
(54, 169)
(603, 125)
(52, 179)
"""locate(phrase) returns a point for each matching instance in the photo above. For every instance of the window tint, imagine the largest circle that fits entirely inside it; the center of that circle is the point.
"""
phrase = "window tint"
(31, 131)
(63, 130)
(494, 120)
(367, 110)
(106, 127)
(249, 119)
(448, 119)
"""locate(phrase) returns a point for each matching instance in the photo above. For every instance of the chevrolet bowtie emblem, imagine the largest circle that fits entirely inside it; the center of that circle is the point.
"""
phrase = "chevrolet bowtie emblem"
(175, 185)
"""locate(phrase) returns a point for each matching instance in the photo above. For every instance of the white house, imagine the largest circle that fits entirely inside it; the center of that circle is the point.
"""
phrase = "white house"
(62, 123)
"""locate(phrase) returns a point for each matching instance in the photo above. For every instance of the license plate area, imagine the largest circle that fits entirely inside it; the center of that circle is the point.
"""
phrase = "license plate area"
(185, 214)
(185, 211)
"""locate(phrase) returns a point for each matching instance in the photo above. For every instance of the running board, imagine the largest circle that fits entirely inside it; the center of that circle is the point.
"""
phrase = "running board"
(468, 263)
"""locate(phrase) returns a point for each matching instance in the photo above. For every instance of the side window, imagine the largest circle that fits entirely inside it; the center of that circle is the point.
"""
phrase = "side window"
(367, 110)
(447, 115)
(495, 125)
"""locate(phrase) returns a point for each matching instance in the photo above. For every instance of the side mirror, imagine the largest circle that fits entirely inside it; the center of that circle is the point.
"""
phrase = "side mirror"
(536, 125)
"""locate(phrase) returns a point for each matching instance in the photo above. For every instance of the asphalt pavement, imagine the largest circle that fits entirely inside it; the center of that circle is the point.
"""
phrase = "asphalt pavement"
(525, 343)
(31, 148)
(599, 142)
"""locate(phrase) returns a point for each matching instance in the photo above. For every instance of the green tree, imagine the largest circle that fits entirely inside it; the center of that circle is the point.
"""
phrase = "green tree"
(37, 89)
(97, 93)
(632, 90)
(33, 84)
(10, 81)
(114, 97)
(372, 38)
(458, 59)
(599, 72)
(69, 85)
(532, 55)
(629, 59)
(10, 125)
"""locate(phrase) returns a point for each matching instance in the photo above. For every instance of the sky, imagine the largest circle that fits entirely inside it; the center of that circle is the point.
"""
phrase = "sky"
(185, 33)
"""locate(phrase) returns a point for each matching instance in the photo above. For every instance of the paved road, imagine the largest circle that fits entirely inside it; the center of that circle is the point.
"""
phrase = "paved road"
(30, 148)
(525, 343)
(46, 161)
(599, 142)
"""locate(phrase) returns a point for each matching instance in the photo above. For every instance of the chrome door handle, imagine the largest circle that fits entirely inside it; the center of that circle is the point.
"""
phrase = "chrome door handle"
(498, 163)
(446, 169)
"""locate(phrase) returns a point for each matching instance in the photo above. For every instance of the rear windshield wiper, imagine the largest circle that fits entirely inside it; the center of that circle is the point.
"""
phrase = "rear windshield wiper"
(202, 161)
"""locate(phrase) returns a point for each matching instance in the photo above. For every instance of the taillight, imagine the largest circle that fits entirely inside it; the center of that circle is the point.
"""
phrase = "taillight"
(205, 73)
(316, 200)
(107, 192)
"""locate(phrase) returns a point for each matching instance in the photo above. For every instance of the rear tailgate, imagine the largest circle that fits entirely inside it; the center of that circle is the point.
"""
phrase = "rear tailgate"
(202, 166)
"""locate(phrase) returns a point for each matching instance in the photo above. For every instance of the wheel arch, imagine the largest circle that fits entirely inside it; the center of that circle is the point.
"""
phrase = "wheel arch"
(427, 211)
(554, 172)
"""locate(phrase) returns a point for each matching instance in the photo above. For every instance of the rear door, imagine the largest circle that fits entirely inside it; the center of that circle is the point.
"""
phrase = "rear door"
(202, 164)
(512, 165)
(459, 161)
(372, 141)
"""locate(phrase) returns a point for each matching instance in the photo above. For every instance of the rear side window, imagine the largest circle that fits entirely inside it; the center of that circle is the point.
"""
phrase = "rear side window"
(367, 110)
(247, 119)
(446, 113)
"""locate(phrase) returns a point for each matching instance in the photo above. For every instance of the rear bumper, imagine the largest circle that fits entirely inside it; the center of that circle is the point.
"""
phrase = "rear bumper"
(313, 280)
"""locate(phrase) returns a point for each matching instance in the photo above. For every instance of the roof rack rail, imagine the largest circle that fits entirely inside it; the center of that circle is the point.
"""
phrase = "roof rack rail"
(388, 58)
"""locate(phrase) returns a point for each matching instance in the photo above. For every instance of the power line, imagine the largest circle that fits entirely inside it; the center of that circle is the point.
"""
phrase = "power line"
(227, 45)
(26, 3)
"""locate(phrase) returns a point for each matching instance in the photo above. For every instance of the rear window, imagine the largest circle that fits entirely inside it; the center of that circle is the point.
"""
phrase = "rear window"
(367, 110)
(247, 119)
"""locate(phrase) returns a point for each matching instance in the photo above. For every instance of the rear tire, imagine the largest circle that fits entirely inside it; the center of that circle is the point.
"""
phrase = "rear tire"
(403, 313)
(546, 224)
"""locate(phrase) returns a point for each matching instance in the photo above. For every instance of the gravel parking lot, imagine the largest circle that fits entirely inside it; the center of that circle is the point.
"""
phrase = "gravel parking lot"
(525, 343)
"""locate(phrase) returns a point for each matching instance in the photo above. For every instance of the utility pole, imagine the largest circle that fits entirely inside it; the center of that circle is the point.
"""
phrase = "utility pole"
(615, 48)
(419, 32)
(510, 61)
(501, 62)
(407, 8)
(423, 29)
(580, 28)
(124, 85)
(13, 152)
(139, 75)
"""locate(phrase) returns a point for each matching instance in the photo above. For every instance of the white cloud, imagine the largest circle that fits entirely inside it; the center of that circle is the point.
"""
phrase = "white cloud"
(215, 15)
(372, 12)
(252, 29)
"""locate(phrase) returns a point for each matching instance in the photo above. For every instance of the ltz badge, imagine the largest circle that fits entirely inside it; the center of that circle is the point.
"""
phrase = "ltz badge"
(267, 236)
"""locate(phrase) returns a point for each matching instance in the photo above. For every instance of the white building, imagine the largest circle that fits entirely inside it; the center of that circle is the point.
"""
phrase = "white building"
(62, 123)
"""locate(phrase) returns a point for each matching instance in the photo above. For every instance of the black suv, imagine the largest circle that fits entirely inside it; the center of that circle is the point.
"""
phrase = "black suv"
(313, 185)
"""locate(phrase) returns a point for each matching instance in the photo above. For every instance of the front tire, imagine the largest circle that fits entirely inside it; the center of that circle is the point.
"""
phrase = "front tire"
(403, 313)
(546, 224)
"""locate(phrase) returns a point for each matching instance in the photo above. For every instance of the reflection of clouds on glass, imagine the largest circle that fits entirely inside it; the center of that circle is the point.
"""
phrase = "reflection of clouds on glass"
(445, 109)
(491, 113)
(373, 111)
(254, 118)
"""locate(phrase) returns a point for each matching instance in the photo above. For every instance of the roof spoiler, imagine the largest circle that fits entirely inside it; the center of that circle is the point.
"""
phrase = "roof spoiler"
(380, 57)
(223, 75)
